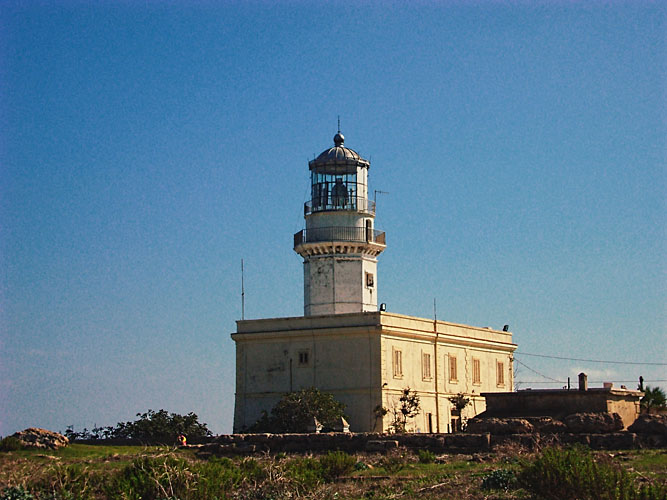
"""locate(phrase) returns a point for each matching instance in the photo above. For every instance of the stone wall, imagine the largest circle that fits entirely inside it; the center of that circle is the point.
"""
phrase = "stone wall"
(439, 443)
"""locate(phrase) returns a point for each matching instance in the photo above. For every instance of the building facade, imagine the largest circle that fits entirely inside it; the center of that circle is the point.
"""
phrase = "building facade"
(343, 344)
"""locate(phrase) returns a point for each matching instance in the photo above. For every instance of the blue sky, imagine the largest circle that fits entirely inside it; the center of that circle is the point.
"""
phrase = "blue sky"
(147, 147)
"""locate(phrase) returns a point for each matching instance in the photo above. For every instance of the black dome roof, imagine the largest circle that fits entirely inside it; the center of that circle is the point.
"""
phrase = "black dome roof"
(339, 155)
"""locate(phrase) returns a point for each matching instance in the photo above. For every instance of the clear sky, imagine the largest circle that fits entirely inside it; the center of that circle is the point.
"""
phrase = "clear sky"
(147, 147)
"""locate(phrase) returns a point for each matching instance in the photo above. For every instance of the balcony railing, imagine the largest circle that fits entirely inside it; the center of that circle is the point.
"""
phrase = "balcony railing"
(339, 233)
(323, 204)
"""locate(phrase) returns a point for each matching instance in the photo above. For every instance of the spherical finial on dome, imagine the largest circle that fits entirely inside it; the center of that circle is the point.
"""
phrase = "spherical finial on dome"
(339, 139)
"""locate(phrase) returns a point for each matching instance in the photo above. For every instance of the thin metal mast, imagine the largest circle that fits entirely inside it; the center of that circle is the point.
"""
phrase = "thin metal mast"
(242, 293)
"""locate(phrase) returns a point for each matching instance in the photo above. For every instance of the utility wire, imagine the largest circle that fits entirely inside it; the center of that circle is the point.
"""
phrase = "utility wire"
(590, 360)
(590, 381)
(540, 374)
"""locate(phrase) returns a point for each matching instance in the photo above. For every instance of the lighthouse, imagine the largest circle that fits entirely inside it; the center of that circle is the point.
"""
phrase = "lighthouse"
(344, 345)
(339, 244)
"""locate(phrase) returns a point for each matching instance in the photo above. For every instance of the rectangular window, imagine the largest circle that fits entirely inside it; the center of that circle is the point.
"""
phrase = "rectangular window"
(500, 373)
(476, 372)
(426, 366)
(398, 363)
(303, 358)
(453, 376)
(370, 280)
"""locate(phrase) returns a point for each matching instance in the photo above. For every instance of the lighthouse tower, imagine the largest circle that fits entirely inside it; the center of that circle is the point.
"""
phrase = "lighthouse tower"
(340, 244)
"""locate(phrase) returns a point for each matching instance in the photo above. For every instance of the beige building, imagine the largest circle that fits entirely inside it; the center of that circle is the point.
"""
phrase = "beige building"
(343, 344)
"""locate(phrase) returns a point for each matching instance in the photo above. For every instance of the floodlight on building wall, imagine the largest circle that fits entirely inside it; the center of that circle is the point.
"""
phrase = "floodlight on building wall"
(383, 307)
(506, 328)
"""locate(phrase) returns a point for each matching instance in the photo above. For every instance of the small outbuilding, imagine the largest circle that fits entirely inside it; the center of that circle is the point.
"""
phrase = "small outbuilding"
(558, 403)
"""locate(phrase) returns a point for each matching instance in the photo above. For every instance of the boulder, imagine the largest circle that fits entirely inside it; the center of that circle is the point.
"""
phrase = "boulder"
(381, 445)
(593, 423)
(650, 424)
(468, 441)
(614, 441)
(547, 425)
(41, 438)
(499, 426)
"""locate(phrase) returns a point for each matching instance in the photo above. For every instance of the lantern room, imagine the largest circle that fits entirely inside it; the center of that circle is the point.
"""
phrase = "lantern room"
(338, 180)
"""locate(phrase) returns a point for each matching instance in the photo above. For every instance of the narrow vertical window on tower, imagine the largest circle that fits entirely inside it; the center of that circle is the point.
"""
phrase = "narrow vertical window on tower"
(500, 373)
(476, 372)
(398, 363)
(426, 366)
(370, 280)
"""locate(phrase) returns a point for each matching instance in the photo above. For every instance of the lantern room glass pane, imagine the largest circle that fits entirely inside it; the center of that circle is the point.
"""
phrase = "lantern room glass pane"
(334, 191)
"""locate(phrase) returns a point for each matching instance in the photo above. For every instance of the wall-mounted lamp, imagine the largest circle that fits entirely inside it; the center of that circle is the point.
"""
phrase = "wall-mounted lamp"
(383, 307)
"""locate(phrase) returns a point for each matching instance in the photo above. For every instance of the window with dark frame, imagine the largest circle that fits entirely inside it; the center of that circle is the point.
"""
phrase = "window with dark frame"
(303, 358)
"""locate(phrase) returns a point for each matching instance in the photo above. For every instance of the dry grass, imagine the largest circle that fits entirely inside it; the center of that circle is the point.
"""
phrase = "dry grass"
(98, 472)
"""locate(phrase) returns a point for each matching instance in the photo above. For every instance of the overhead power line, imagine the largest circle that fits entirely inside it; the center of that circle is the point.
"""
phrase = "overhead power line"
(540, 374)
(590, 360)
(590, 381)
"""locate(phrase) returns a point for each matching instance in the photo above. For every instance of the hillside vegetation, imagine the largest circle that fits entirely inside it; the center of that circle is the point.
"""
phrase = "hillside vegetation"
(105, 472)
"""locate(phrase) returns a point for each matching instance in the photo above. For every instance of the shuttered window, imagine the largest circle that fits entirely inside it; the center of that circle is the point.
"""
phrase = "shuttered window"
(476, 371)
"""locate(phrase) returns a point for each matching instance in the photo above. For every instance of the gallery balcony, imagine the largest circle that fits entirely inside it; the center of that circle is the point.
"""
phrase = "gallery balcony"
(331, 203)
(340, 234)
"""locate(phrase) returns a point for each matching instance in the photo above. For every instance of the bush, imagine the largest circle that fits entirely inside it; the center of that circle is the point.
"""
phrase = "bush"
(161, 427)
(392, 464)
(499, 479)
(10, 443)
(15, 493)
(295, 412)
(152, 478)
(152, 427)
(574, 474)
(426, 456)
(305, 472)
(336, 463)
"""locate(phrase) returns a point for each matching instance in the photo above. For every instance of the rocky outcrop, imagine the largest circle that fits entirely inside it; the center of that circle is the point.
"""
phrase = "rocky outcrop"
(577, 423)
(650, 424)
(41, 438)
(499, 426)
(547, 425)
(593, 423)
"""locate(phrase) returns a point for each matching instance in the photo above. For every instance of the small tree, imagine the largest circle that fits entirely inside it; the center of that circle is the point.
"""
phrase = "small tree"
(161, 427)
(407, 408)
(654, 397)
(459, 402)
(296, 410)
(151, 427)
(379, 412)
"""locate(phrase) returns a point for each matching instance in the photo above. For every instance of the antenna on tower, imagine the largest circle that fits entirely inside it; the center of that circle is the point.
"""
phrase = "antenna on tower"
(435, 312)
(339, 124)
(242, 293)
(375, 194)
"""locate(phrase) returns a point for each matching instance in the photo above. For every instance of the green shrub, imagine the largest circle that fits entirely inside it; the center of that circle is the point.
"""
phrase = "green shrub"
(426, 456)
(336, 463)
(361, 466)
(10, 443)
(306, 473)
(499, 479)
(152, 478)
(574, 473)
(216, 475)
(15, 493)
(392, 464)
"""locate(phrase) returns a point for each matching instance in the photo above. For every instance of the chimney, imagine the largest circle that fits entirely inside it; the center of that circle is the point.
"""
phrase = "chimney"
(583, 382)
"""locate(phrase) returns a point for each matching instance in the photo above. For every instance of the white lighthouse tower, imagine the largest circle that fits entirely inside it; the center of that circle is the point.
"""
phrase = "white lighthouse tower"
(340, 244)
